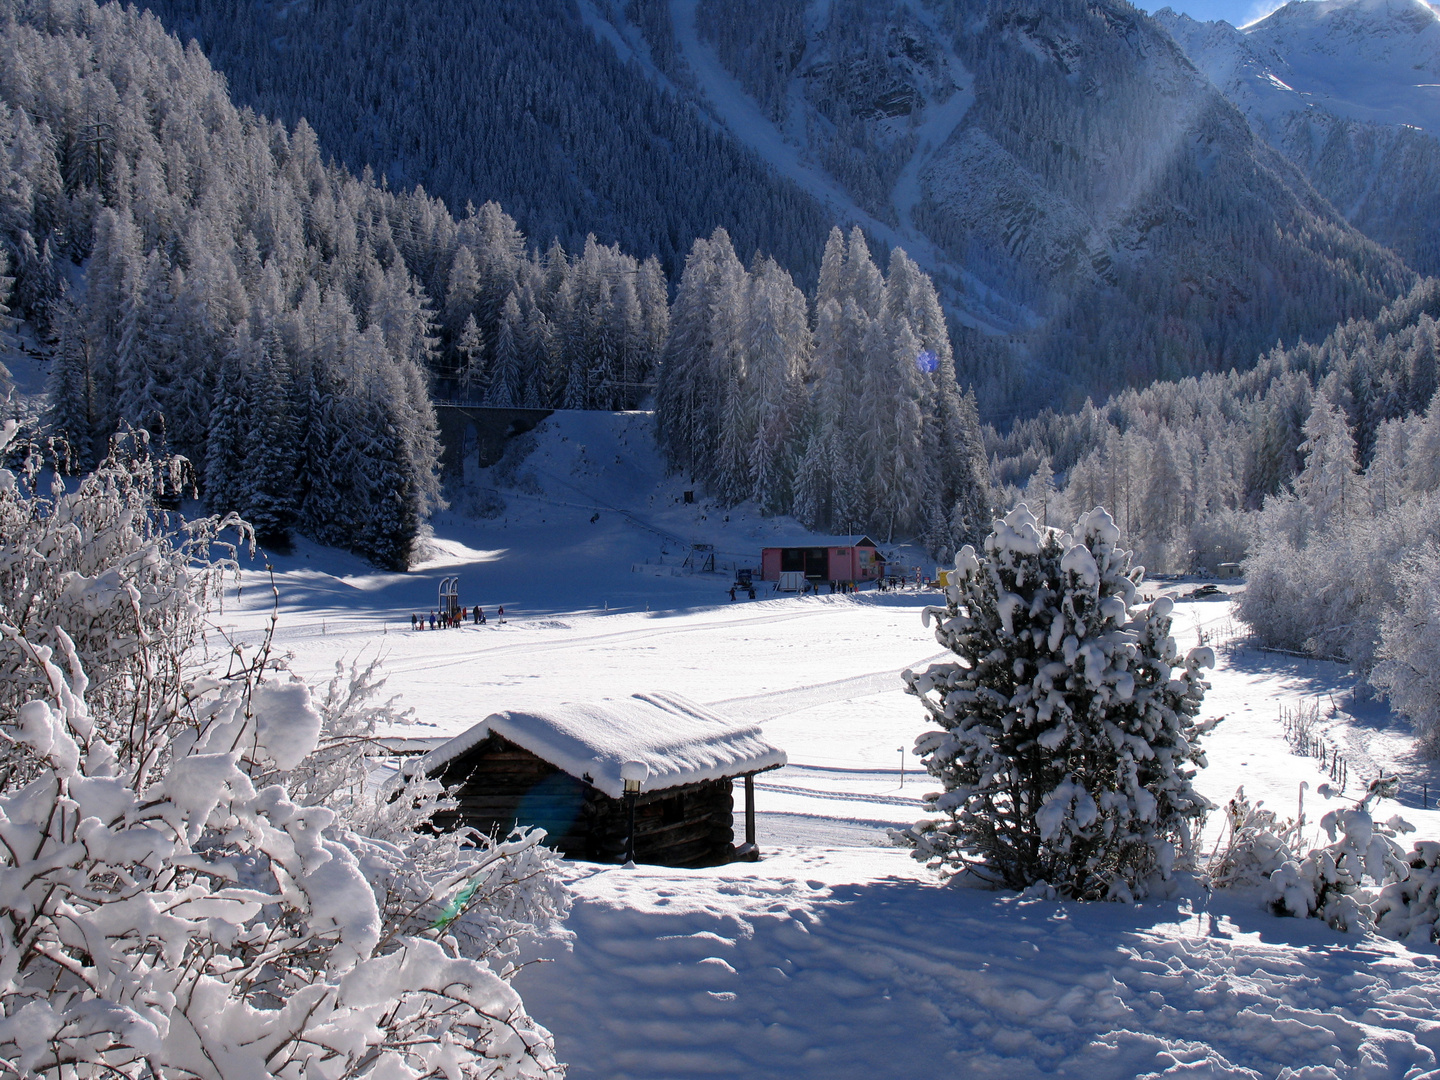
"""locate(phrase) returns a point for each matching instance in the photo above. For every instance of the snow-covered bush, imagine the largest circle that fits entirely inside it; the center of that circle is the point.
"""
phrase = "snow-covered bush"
(1256, 843)
(1408, 671)
(1357, 882)
(187, 921)
(202, 877)
(1328, 883)
(130, 583)
(1409, 910)
(1068, 734)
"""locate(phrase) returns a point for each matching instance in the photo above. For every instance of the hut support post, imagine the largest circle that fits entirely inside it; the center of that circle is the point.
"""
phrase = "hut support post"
(751, 851)
(629, 826)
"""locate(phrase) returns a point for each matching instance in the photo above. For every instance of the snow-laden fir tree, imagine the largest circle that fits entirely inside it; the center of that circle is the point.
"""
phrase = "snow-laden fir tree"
(70, 388)
(1067, 736)
(506, 374)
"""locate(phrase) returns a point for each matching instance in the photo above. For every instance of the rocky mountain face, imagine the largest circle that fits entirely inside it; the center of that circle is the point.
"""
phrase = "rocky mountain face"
(1078, 189)
(1349, 90)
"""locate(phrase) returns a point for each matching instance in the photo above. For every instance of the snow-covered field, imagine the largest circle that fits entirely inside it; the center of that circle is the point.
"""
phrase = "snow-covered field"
(836, 955)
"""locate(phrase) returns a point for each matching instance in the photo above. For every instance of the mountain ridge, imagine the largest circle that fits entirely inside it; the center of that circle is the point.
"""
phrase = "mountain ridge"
(1343, 88)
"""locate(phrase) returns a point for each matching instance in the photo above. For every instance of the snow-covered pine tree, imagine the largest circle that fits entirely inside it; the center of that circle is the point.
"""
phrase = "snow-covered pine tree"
(539, 351)
(777, 346)
(229, 436)
(470, 350)
(654, 294)
(812, 485)
(143, 354)
(901, 471)
(682, 381)
(461, 292)
(1040, 491)
(969, 481)
(71, 410)
(1068, 733)
(506, 374)
(272, 452)
(1407, 672)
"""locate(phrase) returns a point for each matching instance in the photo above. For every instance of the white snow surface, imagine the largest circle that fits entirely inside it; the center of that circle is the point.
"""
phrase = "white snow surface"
(673, 741)
(836, 955)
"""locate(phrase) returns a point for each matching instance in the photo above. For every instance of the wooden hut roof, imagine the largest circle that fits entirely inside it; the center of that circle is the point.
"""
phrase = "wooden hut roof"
(677, 740)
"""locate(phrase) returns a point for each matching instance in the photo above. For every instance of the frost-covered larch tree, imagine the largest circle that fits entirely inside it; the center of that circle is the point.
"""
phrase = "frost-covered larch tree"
(1067, 736)
(1330, 483)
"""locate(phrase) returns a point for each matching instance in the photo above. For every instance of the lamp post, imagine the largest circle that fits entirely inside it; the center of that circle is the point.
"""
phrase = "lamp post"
(633, 774)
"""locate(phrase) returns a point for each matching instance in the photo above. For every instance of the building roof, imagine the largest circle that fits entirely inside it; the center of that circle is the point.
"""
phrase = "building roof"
(809, 540)
(678, 741)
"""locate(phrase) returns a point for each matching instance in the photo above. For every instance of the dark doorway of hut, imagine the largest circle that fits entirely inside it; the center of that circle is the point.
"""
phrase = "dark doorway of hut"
(812, 562)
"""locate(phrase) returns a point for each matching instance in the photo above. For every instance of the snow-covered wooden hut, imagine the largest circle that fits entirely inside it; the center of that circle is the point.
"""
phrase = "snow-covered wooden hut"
(824, 558)
(564, 769)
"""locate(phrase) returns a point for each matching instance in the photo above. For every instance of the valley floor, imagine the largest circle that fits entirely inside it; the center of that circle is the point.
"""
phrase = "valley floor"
(836, 955)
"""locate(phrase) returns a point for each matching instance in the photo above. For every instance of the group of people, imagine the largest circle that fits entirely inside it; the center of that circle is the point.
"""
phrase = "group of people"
(455, 617)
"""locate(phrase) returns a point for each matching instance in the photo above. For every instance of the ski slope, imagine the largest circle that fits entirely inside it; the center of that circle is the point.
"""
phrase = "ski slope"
(836, 955)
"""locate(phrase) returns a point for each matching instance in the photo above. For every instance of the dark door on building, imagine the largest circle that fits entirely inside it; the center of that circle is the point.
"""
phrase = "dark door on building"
(814, 563)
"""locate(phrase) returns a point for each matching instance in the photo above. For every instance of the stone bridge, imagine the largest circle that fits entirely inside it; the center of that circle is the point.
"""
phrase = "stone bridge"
(483, 429)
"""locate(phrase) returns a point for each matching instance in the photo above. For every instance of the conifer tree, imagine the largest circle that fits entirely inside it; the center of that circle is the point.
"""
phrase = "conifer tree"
(269, 495)
(6, 284)
(71, 412)
(1330, 483)
(1068, 734)
(506, 376)
(228, 440)
(470, 348)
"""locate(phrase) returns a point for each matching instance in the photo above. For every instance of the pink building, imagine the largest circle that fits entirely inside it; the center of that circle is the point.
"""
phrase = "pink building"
(824, 558)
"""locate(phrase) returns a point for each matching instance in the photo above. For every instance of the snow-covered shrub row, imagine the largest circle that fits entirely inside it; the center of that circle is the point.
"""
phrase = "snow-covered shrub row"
(1346, 565)
(1262, 852)
(200, 876)
(1068, 735)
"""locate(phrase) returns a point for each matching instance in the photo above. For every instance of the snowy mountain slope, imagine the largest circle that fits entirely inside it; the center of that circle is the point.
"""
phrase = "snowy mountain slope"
(1094, 213)
(1376, 60)
(1350, 91)
(832, 956)
(888, 220)
(1061, 169)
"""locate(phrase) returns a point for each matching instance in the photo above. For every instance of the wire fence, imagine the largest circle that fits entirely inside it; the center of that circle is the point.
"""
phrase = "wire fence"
(1303, 732)
(1303, 722)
